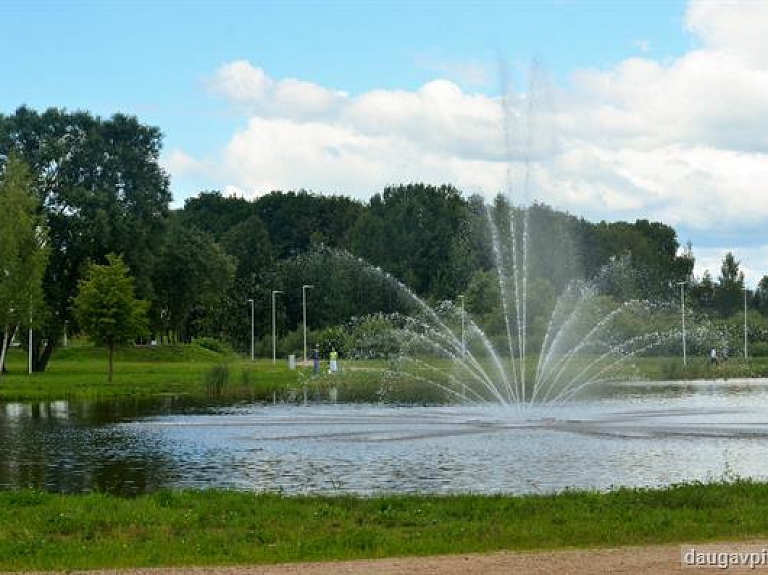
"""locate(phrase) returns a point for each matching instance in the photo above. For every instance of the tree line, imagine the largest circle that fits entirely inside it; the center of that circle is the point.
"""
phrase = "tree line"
(80, 189)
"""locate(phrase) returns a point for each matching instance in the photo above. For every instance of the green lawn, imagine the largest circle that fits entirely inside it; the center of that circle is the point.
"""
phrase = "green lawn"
(46, 531)
(80, 372)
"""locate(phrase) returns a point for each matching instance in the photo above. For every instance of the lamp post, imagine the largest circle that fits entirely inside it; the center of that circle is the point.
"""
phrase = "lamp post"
(463, 339)
(682, 301)
(304, 289)
(745, 324)
(274, 330)
(30, 341)
(252, 327)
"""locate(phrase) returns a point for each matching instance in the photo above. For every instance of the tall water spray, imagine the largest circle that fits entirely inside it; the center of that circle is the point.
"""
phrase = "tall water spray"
(589, 339)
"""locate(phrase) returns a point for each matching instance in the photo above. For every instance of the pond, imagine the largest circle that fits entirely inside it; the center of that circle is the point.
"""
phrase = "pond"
(637, 435)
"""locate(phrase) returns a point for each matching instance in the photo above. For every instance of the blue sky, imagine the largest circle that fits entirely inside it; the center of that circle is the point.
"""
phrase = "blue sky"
(151, 58)
(633, 109)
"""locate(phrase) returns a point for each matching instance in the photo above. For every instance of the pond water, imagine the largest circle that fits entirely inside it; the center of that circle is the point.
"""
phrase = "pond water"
(639, 435)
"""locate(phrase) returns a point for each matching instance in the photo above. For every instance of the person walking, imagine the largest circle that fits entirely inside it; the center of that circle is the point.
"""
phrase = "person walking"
(334, 361)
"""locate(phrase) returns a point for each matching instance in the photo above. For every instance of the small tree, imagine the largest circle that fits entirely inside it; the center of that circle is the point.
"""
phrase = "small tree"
(106, 308)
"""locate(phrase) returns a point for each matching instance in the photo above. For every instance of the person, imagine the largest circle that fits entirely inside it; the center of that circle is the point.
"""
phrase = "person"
(713, 355)
(316, 361)
(334, 359)
(725, 353)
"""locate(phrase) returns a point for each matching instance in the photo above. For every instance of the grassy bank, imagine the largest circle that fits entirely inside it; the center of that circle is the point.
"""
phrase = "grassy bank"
(672, 368)
(80, 372)
(46, 531)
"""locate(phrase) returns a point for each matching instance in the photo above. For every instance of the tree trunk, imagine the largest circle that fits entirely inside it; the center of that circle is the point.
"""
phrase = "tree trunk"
(6, 342)
(111, 347)
(40, 360)
(3, 350)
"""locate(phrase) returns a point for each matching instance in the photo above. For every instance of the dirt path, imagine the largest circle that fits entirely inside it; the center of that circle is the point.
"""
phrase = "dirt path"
(655, 560)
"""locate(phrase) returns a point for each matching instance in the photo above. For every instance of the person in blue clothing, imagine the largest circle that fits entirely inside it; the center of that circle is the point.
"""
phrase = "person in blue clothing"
(316, 361)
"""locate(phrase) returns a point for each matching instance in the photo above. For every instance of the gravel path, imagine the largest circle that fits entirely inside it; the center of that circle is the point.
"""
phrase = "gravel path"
(656, 560)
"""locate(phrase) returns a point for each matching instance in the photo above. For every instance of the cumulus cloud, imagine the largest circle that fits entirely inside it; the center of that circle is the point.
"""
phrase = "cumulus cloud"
(683, 141)
(736, 27)
(253, 90)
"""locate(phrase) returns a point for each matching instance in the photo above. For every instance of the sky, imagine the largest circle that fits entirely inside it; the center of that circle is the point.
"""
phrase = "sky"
(607, 109)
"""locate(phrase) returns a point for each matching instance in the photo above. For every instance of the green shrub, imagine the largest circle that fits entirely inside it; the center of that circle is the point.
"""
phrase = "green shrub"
(216, 379)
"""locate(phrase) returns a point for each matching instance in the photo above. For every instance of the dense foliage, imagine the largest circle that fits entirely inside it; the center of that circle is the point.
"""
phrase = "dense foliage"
(100, 189)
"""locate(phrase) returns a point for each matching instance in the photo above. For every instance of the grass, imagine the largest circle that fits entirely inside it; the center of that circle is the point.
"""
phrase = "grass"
(45, 531)
(671, 368)
(80, 372)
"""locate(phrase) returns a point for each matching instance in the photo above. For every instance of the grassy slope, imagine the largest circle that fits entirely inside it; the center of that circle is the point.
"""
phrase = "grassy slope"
(45, 531)
(81, 372)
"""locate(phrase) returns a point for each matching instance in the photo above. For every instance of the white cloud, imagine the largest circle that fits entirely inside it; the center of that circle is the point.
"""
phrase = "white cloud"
(465, 72)
(251, 88)
(178, 162)
(733, 26)
(241, 82)
(683, 141)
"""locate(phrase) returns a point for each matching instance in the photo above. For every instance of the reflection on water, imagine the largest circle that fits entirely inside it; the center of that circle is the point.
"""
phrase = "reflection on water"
(644, 434)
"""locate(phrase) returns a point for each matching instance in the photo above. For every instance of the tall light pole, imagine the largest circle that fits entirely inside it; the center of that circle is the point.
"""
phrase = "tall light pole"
(682, 303)
(304, 289)
(252, 327)
(463, 339)
(274, 329)
(30, 340)
(745, 324)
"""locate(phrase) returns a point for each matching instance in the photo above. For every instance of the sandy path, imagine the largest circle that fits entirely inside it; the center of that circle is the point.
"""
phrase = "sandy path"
(654, 560)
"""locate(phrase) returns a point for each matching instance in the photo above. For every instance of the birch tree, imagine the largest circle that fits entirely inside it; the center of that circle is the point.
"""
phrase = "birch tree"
(23, 252)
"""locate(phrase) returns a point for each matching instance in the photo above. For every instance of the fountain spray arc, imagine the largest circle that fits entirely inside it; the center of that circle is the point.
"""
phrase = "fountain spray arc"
(583, 344)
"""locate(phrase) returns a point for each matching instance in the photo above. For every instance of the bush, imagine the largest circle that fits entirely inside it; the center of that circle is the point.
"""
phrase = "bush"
(216, 379)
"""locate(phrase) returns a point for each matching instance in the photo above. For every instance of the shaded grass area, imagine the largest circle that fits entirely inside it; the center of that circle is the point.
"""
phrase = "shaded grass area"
(46, 531)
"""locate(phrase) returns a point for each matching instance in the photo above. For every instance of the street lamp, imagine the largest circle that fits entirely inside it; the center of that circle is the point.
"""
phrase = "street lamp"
(30, 340)
(304, 289)
(274, 336)
(745, 324)
(252, 327)
(463, 339)
(682, 300)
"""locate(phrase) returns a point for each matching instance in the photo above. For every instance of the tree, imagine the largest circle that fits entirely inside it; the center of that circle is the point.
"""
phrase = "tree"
(213, 213)
(298, 221)
(413, 232)
(102, 190)
(729, 286)
(761, 296)
(23, 252)
(193, 272)
(249, 243)
(107, 309)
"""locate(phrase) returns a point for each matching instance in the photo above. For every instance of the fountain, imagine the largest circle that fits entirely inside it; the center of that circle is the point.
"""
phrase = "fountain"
(590, 339)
